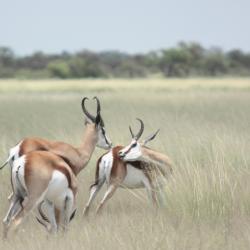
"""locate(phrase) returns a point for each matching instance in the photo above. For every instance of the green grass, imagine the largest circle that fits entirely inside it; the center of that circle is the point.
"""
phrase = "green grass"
(205, 130)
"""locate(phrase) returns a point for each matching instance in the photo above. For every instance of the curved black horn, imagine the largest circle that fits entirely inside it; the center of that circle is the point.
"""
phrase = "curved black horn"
(91, 117)
(150, 137)
(131, 132)
(138, 135)
(98, 105)
(99, 110)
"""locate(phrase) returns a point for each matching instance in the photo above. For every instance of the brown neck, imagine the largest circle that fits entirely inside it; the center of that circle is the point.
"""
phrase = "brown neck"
(87, 146)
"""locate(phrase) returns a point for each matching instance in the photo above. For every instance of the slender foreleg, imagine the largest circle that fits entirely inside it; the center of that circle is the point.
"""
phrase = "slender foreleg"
(94, 189)
(111, 189)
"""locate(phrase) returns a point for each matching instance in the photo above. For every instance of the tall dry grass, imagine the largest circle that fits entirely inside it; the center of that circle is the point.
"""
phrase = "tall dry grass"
(205, 129)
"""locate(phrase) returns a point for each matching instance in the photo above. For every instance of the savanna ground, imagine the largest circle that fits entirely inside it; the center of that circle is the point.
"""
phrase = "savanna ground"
(205, 129)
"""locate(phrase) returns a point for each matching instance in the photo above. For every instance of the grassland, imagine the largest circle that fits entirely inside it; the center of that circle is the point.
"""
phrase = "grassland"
(205, 129)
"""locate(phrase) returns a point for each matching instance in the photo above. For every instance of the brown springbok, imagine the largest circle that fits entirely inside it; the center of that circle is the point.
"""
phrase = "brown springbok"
(76, 157)
(39, 176)
(134, 166)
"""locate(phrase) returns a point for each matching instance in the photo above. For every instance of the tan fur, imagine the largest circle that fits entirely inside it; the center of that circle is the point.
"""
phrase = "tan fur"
(40, 165)
(76, 157)
(39, 168)
(118, 174)
(158, 160)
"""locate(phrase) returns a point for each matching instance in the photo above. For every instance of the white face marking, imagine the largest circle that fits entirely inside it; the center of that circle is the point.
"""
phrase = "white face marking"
(132, 152)
(103, 140)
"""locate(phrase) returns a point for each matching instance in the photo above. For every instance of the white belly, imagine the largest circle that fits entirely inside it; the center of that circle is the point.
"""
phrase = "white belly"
(134, 178)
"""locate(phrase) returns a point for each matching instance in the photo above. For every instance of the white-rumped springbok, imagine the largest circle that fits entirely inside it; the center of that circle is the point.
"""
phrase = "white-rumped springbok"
(134, 166)
(39, 176)
(76, 157)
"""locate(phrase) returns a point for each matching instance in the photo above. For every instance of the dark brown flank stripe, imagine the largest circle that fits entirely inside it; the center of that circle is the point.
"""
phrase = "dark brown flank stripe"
(97, 171)
(136, 164)
(117, 162)
(67, 161)
(145, 167)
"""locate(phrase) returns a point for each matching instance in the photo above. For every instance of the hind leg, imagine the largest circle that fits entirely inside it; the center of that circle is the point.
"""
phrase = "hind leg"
(27, 205)
(15, 207)
(10, 196)
(94, 189)
(49, 221)
(67, 210)
(52, 217)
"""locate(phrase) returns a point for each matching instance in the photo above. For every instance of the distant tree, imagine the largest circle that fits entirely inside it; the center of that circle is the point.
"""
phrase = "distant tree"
(195, 54)
(186, 59)
(175, 62)
(59, 69)
(80, 67)
(7, 57)
(215, 63)
(36, 61)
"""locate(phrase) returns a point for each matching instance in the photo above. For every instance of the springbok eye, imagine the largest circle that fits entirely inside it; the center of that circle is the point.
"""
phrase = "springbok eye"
(133, 145)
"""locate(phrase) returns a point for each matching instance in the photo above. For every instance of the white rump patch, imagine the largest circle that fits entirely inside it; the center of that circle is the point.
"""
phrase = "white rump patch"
(14, 152)
(18, 170)
(105, 166)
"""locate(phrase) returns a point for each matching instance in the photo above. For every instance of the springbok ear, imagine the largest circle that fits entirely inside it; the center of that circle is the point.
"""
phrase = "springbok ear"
(150, 137)
(98, 119)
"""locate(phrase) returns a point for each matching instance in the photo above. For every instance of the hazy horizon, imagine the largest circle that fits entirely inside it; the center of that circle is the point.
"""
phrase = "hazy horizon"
(131, 27)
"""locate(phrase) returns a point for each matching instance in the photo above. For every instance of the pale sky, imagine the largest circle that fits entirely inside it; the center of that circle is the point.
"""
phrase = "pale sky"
(125, 25)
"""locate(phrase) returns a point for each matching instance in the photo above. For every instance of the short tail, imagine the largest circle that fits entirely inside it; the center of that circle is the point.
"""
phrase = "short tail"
(5, 163)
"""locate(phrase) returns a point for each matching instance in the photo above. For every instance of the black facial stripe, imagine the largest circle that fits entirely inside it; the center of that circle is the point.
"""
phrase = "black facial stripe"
(126, 152)
(104, 134)
(103, 131)
(106, 140)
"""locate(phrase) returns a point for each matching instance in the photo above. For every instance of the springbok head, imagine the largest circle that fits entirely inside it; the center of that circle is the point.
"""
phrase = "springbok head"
(103, 140)
(134, 150)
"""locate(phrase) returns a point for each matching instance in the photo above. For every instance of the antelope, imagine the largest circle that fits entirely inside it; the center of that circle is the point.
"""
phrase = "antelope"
(38, 176)
(76, 157)
(134, 166)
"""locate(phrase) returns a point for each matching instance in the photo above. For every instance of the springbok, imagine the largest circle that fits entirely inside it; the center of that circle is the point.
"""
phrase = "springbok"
(134, 166)
(39, 176)
(76, 157)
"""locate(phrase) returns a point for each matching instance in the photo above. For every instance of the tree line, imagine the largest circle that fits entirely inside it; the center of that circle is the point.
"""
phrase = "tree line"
(183, 60)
